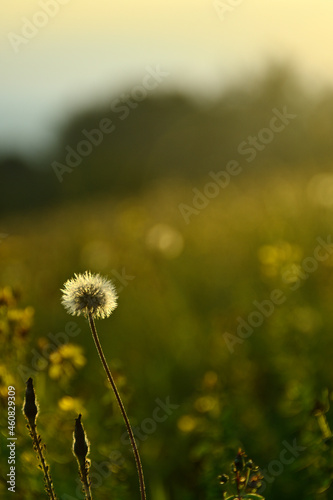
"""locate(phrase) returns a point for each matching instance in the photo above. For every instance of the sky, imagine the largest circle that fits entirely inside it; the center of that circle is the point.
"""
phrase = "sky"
(57, 56)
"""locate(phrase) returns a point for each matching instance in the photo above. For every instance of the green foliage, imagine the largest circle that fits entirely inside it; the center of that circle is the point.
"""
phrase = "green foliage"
(245, 480)
(182, 287)
(168, 337)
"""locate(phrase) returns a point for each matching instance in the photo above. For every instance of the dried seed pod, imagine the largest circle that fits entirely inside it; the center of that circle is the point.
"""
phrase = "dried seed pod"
(223, 478)
(30, 409)
(80, 446)
(239, 460)
(80, 450)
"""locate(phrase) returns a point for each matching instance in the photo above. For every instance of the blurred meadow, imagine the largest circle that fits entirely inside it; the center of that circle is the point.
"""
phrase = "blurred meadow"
(182, 287)
(213, 218)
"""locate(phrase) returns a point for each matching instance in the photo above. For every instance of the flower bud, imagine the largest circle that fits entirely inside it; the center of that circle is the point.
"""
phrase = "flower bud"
(239, 460)
(223, 478)
(30, 409)
(80, 445)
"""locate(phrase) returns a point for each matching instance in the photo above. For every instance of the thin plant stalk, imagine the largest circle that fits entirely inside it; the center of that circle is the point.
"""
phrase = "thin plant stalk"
(87, 490)
(30, 411)
(80, 450)
(45, 467)
(121, 406)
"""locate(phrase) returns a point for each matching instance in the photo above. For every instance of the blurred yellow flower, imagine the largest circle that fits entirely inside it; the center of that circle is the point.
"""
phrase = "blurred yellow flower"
(274, 258)
(7, 297)
(66, 360)
(205, 404)
(67, 403)
(21, 320)
(6, 379)
(187, 423)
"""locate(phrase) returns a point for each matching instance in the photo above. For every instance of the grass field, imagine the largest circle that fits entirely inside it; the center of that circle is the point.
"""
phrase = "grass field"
(222, 338)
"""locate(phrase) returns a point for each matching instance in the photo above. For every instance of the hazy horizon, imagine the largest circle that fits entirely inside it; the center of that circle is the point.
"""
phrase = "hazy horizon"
(81, 54)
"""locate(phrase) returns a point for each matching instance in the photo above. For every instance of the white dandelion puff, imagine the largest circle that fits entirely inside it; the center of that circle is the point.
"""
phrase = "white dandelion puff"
(89, 294)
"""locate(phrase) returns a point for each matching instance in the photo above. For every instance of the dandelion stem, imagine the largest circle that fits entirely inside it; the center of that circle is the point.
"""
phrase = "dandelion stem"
(121, 406)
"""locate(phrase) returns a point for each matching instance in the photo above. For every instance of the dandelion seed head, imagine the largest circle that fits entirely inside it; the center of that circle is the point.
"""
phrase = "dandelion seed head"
(89, 293)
